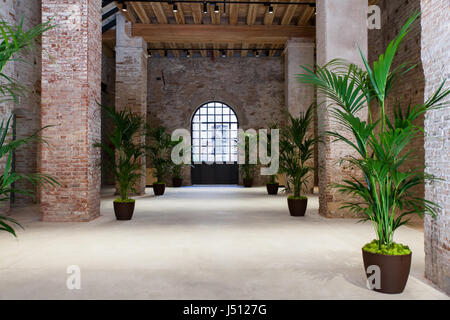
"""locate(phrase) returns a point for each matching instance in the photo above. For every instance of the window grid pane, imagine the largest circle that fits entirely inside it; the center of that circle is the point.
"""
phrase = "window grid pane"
(214, 133)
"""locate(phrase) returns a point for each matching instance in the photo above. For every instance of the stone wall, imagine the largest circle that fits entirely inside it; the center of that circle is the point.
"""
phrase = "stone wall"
(410, 89)
(253, 87)
(435, 58)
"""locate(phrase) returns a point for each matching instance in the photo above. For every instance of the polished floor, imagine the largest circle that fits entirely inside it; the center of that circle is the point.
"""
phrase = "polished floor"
(199, 243)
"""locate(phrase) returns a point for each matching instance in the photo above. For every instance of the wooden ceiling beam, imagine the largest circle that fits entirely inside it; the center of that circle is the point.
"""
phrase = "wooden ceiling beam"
(197, 13)
(234, 13)
(179, 15)
(288, 14)
(268, 17)
(196, 33)
(140, 11)
(159, 12)
(306, 15)
(251, 13)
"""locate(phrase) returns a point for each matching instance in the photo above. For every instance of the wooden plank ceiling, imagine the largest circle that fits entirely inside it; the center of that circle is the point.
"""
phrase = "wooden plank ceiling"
(239, 26)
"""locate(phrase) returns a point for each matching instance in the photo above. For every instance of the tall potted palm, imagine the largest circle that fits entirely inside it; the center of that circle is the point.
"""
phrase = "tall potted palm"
(14, 39)
(272, 185)
(296, 153)
(384, 193)
(247, 169)
(125, 157)
(158, 152)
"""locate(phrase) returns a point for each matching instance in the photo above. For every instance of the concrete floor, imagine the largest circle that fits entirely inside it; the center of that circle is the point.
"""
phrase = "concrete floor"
(199, 243)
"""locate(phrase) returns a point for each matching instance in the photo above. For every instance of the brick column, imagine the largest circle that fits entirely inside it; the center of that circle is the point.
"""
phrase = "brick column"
(435, 56)
(298, 96)
(131, 77)
(71, 85)
(341, 27)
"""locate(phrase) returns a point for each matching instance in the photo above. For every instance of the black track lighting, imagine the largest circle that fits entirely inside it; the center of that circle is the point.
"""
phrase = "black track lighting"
(175, 8)
(165, 53)
(149, 53)
(224, 54)
(257, 53)
(216, 8)
(205, 8)
(188, 54)
(124, 7)
(270, 9)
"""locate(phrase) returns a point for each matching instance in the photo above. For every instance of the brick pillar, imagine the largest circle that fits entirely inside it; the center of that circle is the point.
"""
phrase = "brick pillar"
(435, 56)
(131, 77)
(341, 27)
(298, 96)
(71, 85)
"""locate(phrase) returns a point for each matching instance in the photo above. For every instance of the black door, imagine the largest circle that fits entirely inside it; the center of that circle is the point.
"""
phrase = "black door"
(214, 145)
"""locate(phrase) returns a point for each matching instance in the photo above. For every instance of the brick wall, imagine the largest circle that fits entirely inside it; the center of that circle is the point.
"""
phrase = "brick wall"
(435, 57)
(71, 87)
(253, 87)
(411, 87)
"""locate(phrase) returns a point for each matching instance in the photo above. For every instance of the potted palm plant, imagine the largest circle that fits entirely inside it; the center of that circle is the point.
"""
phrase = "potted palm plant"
(384, 193)
(158, 153)
(296, 153)
(247, 169)
(9, 177)
(177, 179)
(13, 40)
(272, 186)
(125, 157)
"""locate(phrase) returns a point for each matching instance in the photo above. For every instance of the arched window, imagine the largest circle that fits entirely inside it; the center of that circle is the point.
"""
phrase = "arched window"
(214, 133)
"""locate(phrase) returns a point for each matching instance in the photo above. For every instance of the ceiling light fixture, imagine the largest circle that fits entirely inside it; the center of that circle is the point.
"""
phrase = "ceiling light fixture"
(149, 53)
(257, 53)
(216, 8)
(224, 54)
(175, 8)
(165, 53)
(188, 54)
(124, 7)
(205, 7)
(270, 9)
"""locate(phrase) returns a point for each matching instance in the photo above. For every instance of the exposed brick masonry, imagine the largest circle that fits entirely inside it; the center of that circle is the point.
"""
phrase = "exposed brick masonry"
(71, 78)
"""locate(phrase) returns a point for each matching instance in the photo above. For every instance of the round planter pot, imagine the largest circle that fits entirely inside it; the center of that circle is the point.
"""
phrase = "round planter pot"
(124, 210)
(272, 188)
(177, 182)
(248, 182)
(297, 207)
(158, 188)
(394, 270)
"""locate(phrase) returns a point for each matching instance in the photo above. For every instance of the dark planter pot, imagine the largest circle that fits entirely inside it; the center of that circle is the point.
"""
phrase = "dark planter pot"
(248, 182)
(272, 188)
(394, 271)
(124, 210)
(297, 207)
(177, 182)
(158, 188)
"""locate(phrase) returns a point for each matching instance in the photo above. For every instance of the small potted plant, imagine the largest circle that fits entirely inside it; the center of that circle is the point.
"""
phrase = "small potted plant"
(384, 192)
(177, 179)
(125, 157)
(158, 153)
(296, 153)
(272, 186)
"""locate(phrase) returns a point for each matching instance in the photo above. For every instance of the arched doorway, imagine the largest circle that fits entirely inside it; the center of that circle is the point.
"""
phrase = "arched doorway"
(214, 131)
